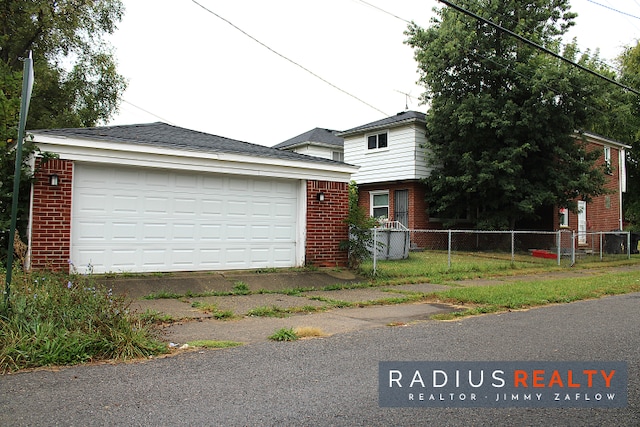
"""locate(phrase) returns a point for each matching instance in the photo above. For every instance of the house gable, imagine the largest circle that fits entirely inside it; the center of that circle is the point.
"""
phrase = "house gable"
(391, 149)
(317, 142)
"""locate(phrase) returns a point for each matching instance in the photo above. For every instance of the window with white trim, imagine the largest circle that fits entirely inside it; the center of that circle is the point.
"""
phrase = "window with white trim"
(607, 160)
(337, 156)
(380, 204)
(564, 217)
(377, 141)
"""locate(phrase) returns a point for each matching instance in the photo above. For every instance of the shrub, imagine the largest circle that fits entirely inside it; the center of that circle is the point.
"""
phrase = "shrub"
(56, 319)
(360, 225)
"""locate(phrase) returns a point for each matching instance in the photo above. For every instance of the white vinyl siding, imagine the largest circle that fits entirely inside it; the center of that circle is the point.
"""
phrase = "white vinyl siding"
(404, 158)
(316, 151)
(128, 219)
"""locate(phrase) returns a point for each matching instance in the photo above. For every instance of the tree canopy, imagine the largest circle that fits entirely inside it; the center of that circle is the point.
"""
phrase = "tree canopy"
(76, 81)
(502, 114)
(627, 128)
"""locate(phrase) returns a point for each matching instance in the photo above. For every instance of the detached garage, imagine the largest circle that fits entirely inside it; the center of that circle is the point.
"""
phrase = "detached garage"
(159, 198)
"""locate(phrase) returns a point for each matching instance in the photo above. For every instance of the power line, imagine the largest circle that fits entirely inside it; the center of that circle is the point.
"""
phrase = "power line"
(615, 10)
(384, 11)
(287, 59)
(537, 46)
(148, 112)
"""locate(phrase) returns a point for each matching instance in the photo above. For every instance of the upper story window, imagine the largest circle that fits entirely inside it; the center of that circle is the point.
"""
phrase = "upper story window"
(376, 141)
(607, 160)
(338, 156)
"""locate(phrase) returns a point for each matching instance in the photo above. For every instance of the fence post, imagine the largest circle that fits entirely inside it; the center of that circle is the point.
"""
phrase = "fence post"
(628, 245)
(559, 244)
(573, 248)
(449, 252)
(601, 235)
(513, 247)
(375, 250)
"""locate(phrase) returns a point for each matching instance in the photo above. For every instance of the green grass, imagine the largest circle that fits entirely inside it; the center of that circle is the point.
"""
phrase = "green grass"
(154, 316)
(241, 288)
(432, 266)
(264, 311)
(522, 295)
(213, 344)
(213, 310)
(223, 314)
(284, 334)
(164, 295)
(275, 311)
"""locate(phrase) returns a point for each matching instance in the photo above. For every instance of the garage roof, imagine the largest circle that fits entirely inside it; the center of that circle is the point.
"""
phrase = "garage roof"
(173, 137)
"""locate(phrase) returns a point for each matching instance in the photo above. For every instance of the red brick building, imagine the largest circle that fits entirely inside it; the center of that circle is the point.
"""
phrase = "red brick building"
(391, 156)
(156, 198)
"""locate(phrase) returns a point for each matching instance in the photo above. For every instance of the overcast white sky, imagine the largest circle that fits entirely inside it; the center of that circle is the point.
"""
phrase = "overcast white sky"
(187, 67)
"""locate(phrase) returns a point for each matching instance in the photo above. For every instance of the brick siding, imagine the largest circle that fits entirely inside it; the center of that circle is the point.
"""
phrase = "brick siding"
(603, 212)
(418, 216)
(51, 217)
(325, 223)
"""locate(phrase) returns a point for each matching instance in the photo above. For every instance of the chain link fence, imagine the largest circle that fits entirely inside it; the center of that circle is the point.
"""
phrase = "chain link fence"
(563, 247)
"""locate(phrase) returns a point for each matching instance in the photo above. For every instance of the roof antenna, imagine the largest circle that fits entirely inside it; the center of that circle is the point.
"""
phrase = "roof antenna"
(406, 99)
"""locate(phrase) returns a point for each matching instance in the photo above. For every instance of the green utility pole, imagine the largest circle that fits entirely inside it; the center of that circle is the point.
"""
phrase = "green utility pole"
(27, 86)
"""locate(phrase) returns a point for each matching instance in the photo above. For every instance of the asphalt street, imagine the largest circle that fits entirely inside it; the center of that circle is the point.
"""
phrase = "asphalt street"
(334, 381)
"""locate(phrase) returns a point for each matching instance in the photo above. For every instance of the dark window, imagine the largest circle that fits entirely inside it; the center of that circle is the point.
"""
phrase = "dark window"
(382, 140)
(377, 141)
(373, 142)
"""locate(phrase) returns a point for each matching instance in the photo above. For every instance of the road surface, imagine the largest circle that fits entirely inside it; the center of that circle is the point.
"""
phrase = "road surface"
(334, 381)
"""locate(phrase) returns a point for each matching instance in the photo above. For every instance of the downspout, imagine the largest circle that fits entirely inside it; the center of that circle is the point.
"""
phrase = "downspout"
(32, 165)
(622, 176)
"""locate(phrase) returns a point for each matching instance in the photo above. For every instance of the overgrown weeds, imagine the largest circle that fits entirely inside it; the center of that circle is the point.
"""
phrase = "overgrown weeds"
(58, 319)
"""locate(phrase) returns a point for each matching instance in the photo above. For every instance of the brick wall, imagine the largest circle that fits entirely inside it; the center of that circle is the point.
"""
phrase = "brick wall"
(603, 212)
(418, 217)
(325, 223)
(51, 217)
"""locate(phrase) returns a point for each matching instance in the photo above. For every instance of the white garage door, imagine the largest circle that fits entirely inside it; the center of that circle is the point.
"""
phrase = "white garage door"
(129, 219)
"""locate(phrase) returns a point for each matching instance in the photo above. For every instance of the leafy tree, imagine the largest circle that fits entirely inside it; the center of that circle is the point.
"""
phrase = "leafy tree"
(502, 113)
(76, 82)
(628, 130)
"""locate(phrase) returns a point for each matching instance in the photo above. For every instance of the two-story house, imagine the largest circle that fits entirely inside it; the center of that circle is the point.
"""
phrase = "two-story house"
(391, 156)
(392, 162)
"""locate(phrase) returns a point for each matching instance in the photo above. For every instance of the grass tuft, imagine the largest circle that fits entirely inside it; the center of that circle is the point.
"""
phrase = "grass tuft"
(284, 334)
(309, 332)
(264, 311)
(214, 344)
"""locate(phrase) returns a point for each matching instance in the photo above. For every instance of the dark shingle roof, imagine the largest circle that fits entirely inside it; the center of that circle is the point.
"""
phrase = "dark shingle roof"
(404, 117)
(168, 136)
(318, 135)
